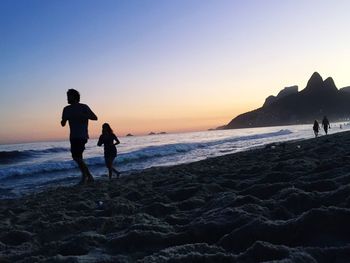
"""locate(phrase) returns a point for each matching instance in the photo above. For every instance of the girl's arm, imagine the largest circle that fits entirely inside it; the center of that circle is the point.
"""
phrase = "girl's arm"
(116, 140)
(100, 142)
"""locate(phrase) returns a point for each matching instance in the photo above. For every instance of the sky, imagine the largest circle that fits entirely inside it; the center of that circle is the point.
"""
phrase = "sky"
(160, 65)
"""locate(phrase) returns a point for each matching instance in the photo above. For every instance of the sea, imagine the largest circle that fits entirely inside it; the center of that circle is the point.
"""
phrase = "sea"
(33, 167)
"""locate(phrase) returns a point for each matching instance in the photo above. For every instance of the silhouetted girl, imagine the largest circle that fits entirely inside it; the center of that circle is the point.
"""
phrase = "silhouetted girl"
(316, 128)
(109, 141)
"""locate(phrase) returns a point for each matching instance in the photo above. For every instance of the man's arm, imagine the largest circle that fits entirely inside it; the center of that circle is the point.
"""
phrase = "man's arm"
(91, 115)
(64, 118)
(63, 122)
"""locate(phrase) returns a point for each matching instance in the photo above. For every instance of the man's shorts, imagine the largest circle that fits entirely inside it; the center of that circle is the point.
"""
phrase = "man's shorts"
(77, 147)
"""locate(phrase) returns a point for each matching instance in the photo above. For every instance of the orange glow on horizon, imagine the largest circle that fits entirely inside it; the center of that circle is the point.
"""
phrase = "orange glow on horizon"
(44, 130)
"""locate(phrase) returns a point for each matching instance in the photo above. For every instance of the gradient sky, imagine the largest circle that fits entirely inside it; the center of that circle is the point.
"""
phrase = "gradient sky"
(160, 65)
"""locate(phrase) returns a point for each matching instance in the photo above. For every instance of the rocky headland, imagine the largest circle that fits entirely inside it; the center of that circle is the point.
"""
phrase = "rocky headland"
(319, 98)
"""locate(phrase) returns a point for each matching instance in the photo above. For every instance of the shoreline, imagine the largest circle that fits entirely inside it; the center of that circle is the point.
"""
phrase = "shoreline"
(283, 201)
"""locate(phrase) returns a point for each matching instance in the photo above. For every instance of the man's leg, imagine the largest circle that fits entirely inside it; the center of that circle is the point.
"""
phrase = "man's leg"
(90, 178)
(86, 175)
(77, 149)
(82, 167)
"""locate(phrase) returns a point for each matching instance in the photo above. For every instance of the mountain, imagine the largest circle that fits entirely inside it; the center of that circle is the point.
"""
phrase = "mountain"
(345, 89)
(283, 93)
(319, 97)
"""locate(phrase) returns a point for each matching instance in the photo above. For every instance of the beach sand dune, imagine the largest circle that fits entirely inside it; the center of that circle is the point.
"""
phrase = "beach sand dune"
(284, 203)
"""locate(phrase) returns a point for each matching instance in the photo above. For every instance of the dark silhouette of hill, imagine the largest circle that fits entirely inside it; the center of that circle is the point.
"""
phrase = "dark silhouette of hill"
(283, 93)
(320, 97)
(345, 89)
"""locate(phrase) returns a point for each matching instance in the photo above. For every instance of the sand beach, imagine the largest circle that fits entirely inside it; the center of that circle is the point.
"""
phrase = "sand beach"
(286, 202)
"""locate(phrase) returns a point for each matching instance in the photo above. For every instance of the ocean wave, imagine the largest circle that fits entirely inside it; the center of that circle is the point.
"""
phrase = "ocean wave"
(172, 149)
(51, 150)
(24, 171)
(137, 156)
(252, 137)
(7, 157)
(12, 156)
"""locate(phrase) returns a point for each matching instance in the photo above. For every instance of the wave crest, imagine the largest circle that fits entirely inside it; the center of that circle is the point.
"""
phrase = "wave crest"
(137, 156)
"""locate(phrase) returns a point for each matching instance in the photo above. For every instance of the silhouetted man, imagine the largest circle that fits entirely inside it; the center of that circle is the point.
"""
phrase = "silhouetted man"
(78, 116)
(325, 124)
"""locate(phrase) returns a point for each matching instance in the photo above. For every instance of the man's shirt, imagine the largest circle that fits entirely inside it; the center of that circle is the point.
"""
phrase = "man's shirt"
(78, 116)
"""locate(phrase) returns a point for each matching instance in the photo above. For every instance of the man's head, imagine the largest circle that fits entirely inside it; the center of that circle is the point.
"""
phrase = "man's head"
(73, 96)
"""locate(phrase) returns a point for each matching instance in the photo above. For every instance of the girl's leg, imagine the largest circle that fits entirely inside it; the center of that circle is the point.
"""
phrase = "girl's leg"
(109, 167)
(115, 170)
(110, 172)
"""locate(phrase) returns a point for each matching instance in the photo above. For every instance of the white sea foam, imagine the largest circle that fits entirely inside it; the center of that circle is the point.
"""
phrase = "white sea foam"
(41, 163)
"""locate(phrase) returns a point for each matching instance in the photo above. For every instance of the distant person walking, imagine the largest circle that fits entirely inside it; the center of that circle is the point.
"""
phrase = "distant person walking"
(78, 116)
(109, 141)
(316, 128)
(325, 124)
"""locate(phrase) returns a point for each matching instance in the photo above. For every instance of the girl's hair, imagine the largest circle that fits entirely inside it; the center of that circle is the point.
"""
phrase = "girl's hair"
(107, 128)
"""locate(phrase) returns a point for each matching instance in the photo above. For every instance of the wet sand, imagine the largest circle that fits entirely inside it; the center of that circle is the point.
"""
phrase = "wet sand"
(282, 203)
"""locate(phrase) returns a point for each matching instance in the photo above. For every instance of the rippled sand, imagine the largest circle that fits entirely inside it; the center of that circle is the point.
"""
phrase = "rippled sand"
(287, 202)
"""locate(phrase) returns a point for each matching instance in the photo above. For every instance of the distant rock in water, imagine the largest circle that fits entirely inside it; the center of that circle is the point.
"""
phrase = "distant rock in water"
(158, 133)
(320, 97)
(129, 134)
